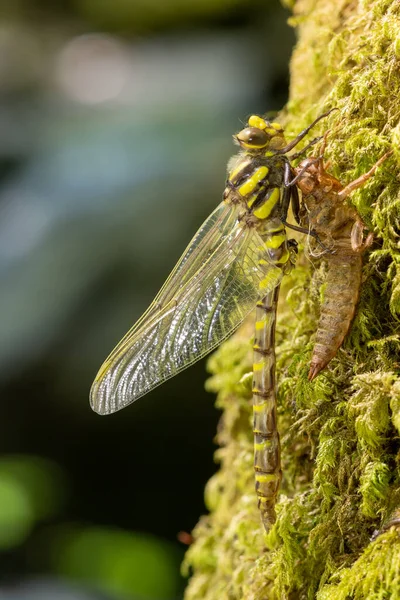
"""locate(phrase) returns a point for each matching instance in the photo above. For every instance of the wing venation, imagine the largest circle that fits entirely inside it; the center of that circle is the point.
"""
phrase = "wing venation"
(207, 296)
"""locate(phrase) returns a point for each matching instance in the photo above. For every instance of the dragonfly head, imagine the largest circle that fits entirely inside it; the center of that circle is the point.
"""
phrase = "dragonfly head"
(261, 135)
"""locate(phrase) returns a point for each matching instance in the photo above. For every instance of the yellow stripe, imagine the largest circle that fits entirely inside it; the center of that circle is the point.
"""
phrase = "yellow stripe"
(236, 165)
(263, 445)
(252, 146)
(259, 366)
(265, 210)
(285, 256)
(251, 183)
(260, 325)
(247, 187)
(271, 279)
(264, 283)
(265, 477)
(263, 262)
(276, 229)
(251, 200)
(275, 241)
(269, 153)
(259, 407)
(233, 173)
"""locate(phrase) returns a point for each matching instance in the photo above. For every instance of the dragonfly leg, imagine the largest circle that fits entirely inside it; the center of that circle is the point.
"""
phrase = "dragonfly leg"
(303, 133)
(286, 195)
(304, 150)
(360, 181)
(310, 232)
(295, 203)
(290, 194)
(310, 161)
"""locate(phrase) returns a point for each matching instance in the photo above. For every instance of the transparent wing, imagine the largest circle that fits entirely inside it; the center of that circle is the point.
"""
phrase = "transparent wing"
(212, 232)
(211, 296)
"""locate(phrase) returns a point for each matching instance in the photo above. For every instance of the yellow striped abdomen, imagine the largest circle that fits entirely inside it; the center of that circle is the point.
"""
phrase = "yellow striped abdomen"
(267, 453)
(267, 462)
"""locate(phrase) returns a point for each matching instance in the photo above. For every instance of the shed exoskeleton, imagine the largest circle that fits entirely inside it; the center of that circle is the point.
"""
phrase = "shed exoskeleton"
(339, 227)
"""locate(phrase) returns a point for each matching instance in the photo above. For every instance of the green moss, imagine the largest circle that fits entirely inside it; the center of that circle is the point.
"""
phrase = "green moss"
(340, 433)
(375, 575)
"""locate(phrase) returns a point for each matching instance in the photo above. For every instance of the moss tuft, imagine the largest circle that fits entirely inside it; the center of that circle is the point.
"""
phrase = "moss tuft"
(375, 575)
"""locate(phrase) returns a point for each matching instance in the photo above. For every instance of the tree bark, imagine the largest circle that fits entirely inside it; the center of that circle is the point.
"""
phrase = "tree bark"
(340, 433)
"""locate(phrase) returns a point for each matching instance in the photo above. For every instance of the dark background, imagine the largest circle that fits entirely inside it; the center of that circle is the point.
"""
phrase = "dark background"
(116, 121)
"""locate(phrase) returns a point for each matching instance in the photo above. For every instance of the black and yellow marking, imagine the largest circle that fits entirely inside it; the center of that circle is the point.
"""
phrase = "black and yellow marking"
(271, 200)
(267, 462)
(254, 181)
(258, 186)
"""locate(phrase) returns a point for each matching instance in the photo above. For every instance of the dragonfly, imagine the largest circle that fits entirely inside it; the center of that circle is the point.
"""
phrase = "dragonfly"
(234, 263)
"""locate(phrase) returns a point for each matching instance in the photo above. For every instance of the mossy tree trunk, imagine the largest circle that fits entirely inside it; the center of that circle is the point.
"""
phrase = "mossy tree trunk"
(340, 433)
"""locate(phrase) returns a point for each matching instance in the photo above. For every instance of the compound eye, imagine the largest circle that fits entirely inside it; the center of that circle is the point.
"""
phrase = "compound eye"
(253, 137)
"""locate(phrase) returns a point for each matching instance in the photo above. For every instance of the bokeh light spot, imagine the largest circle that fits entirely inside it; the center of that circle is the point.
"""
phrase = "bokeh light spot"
(119, 561)
(41, 480)
(92, 69)
(16, 515)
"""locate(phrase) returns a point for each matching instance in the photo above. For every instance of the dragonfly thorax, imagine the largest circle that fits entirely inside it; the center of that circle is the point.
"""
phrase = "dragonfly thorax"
(255, 183)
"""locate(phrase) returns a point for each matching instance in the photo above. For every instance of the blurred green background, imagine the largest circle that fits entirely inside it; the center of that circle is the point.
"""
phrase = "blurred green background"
(116, 120)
